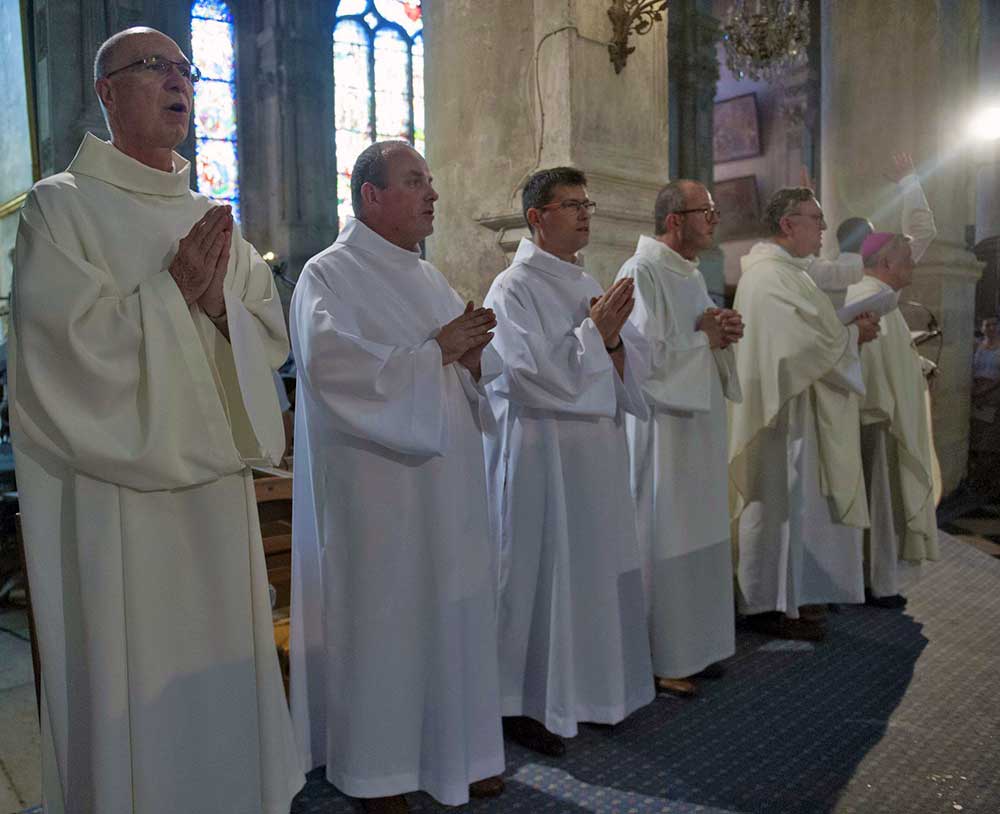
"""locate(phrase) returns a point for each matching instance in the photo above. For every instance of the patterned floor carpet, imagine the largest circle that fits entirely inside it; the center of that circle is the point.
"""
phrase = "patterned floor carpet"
(895, 713)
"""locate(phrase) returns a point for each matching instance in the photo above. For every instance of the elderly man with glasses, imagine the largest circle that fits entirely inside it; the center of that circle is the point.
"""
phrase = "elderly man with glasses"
(145, 329)
(794, 447)
(678, 457)
(573, 643)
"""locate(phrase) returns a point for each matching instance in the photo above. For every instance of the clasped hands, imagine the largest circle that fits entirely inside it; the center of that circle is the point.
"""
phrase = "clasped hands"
(722, 326)
(462, 340)
(199, 267)
(868, 327)
(611, 309)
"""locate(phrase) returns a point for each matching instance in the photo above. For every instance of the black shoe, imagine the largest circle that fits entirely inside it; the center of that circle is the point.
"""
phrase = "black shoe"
(781, 627)
(894, 602)
(715, 670)
(532, 735)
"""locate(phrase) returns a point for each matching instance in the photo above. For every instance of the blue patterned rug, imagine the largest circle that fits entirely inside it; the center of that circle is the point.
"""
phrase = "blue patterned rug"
(895, 713)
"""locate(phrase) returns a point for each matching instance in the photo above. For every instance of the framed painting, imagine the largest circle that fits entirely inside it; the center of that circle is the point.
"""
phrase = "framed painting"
(737, 199)
(736, 129)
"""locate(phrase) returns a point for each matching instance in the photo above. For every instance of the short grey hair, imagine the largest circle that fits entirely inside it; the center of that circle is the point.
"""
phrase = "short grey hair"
(672, 198)
(785, 202)
(372, 167)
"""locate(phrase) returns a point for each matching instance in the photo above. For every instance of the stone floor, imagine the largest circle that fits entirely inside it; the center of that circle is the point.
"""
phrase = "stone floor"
(19, 740)
(20, 774)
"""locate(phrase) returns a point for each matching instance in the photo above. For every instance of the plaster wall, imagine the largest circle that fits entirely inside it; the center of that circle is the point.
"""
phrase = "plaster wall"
(528, 84)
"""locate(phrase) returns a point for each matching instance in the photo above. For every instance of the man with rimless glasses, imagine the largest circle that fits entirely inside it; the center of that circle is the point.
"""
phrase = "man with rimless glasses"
(145, 329)
(678, 457)
(572, 627)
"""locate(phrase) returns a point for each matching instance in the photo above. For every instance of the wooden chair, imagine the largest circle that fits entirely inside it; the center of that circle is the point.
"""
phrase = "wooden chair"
(273, 489)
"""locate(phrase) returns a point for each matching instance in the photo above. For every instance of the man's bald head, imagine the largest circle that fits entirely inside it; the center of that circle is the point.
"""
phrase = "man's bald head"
(105, 61)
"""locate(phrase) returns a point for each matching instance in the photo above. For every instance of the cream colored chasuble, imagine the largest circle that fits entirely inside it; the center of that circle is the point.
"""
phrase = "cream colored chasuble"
(794, 449)
(134, 421)
(898, 449)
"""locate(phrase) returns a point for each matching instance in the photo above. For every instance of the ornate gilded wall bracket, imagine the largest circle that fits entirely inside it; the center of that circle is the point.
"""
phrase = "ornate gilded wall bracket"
(628, 17)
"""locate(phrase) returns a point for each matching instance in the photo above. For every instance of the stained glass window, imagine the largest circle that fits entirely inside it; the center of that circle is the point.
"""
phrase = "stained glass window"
(378, 77)
(215, 102)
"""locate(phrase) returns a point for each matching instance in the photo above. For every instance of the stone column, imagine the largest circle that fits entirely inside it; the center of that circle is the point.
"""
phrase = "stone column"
(693, 68)
(287, 162)
(898, 76)
(527, 84)
(988, 174)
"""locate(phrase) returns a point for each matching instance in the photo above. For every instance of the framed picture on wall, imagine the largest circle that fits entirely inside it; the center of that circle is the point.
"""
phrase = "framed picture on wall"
(737, 199)
(736, 129)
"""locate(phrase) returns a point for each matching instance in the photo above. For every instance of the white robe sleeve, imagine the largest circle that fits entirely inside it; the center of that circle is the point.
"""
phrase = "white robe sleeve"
(569, 374)
(917, 220)
(115, 385)
(681, 357)
(847, 373)
(725, 363)
(628, 386)
(392, 395)
(838, 274)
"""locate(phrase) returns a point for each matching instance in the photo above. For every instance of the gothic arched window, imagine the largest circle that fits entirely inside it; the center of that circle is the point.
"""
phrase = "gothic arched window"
(212, 49)
(378, 77)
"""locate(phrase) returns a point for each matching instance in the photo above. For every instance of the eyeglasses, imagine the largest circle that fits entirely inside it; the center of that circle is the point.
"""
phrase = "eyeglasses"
(576, 206)
(161, 66)
(818, 218)
(710, 212)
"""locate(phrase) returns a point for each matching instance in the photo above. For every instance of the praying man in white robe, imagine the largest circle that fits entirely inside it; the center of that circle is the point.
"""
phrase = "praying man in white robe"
(573, 644)
(145, 330)
(394, 661)
(679, 456)
(896, 442)
(794, 450)
(833, 276)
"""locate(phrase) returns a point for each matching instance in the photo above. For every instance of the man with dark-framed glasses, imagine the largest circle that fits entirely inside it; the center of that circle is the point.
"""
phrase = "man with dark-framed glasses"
(572, 627)
(144, 333)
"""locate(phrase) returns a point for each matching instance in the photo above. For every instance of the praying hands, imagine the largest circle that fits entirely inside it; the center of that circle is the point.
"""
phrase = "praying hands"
(202, 258)
(462, 340)
(611, 309)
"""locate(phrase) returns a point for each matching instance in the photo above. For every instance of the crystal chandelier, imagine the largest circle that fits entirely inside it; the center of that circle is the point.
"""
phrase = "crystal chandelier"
(765, 39)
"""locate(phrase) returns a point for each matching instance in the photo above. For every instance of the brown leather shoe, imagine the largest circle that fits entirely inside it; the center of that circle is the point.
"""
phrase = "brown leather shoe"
(684, 687)
(532, 735)
(487, 787)
(385, 805)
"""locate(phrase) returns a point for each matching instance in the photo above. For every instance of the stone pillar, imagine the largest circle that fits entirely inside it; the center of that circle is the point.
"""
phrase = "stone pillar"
(988, 174)
(898, 76)
(527, 84)
(287, 146)
(693, 69)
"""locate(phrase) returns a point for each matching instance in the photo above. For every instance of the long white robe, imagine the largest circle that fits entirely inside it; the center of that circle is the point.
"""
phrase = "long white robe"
(573, 644)
(794, 452)
(134, 421)
(897, 450)
(394, 663)
(679, 466)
